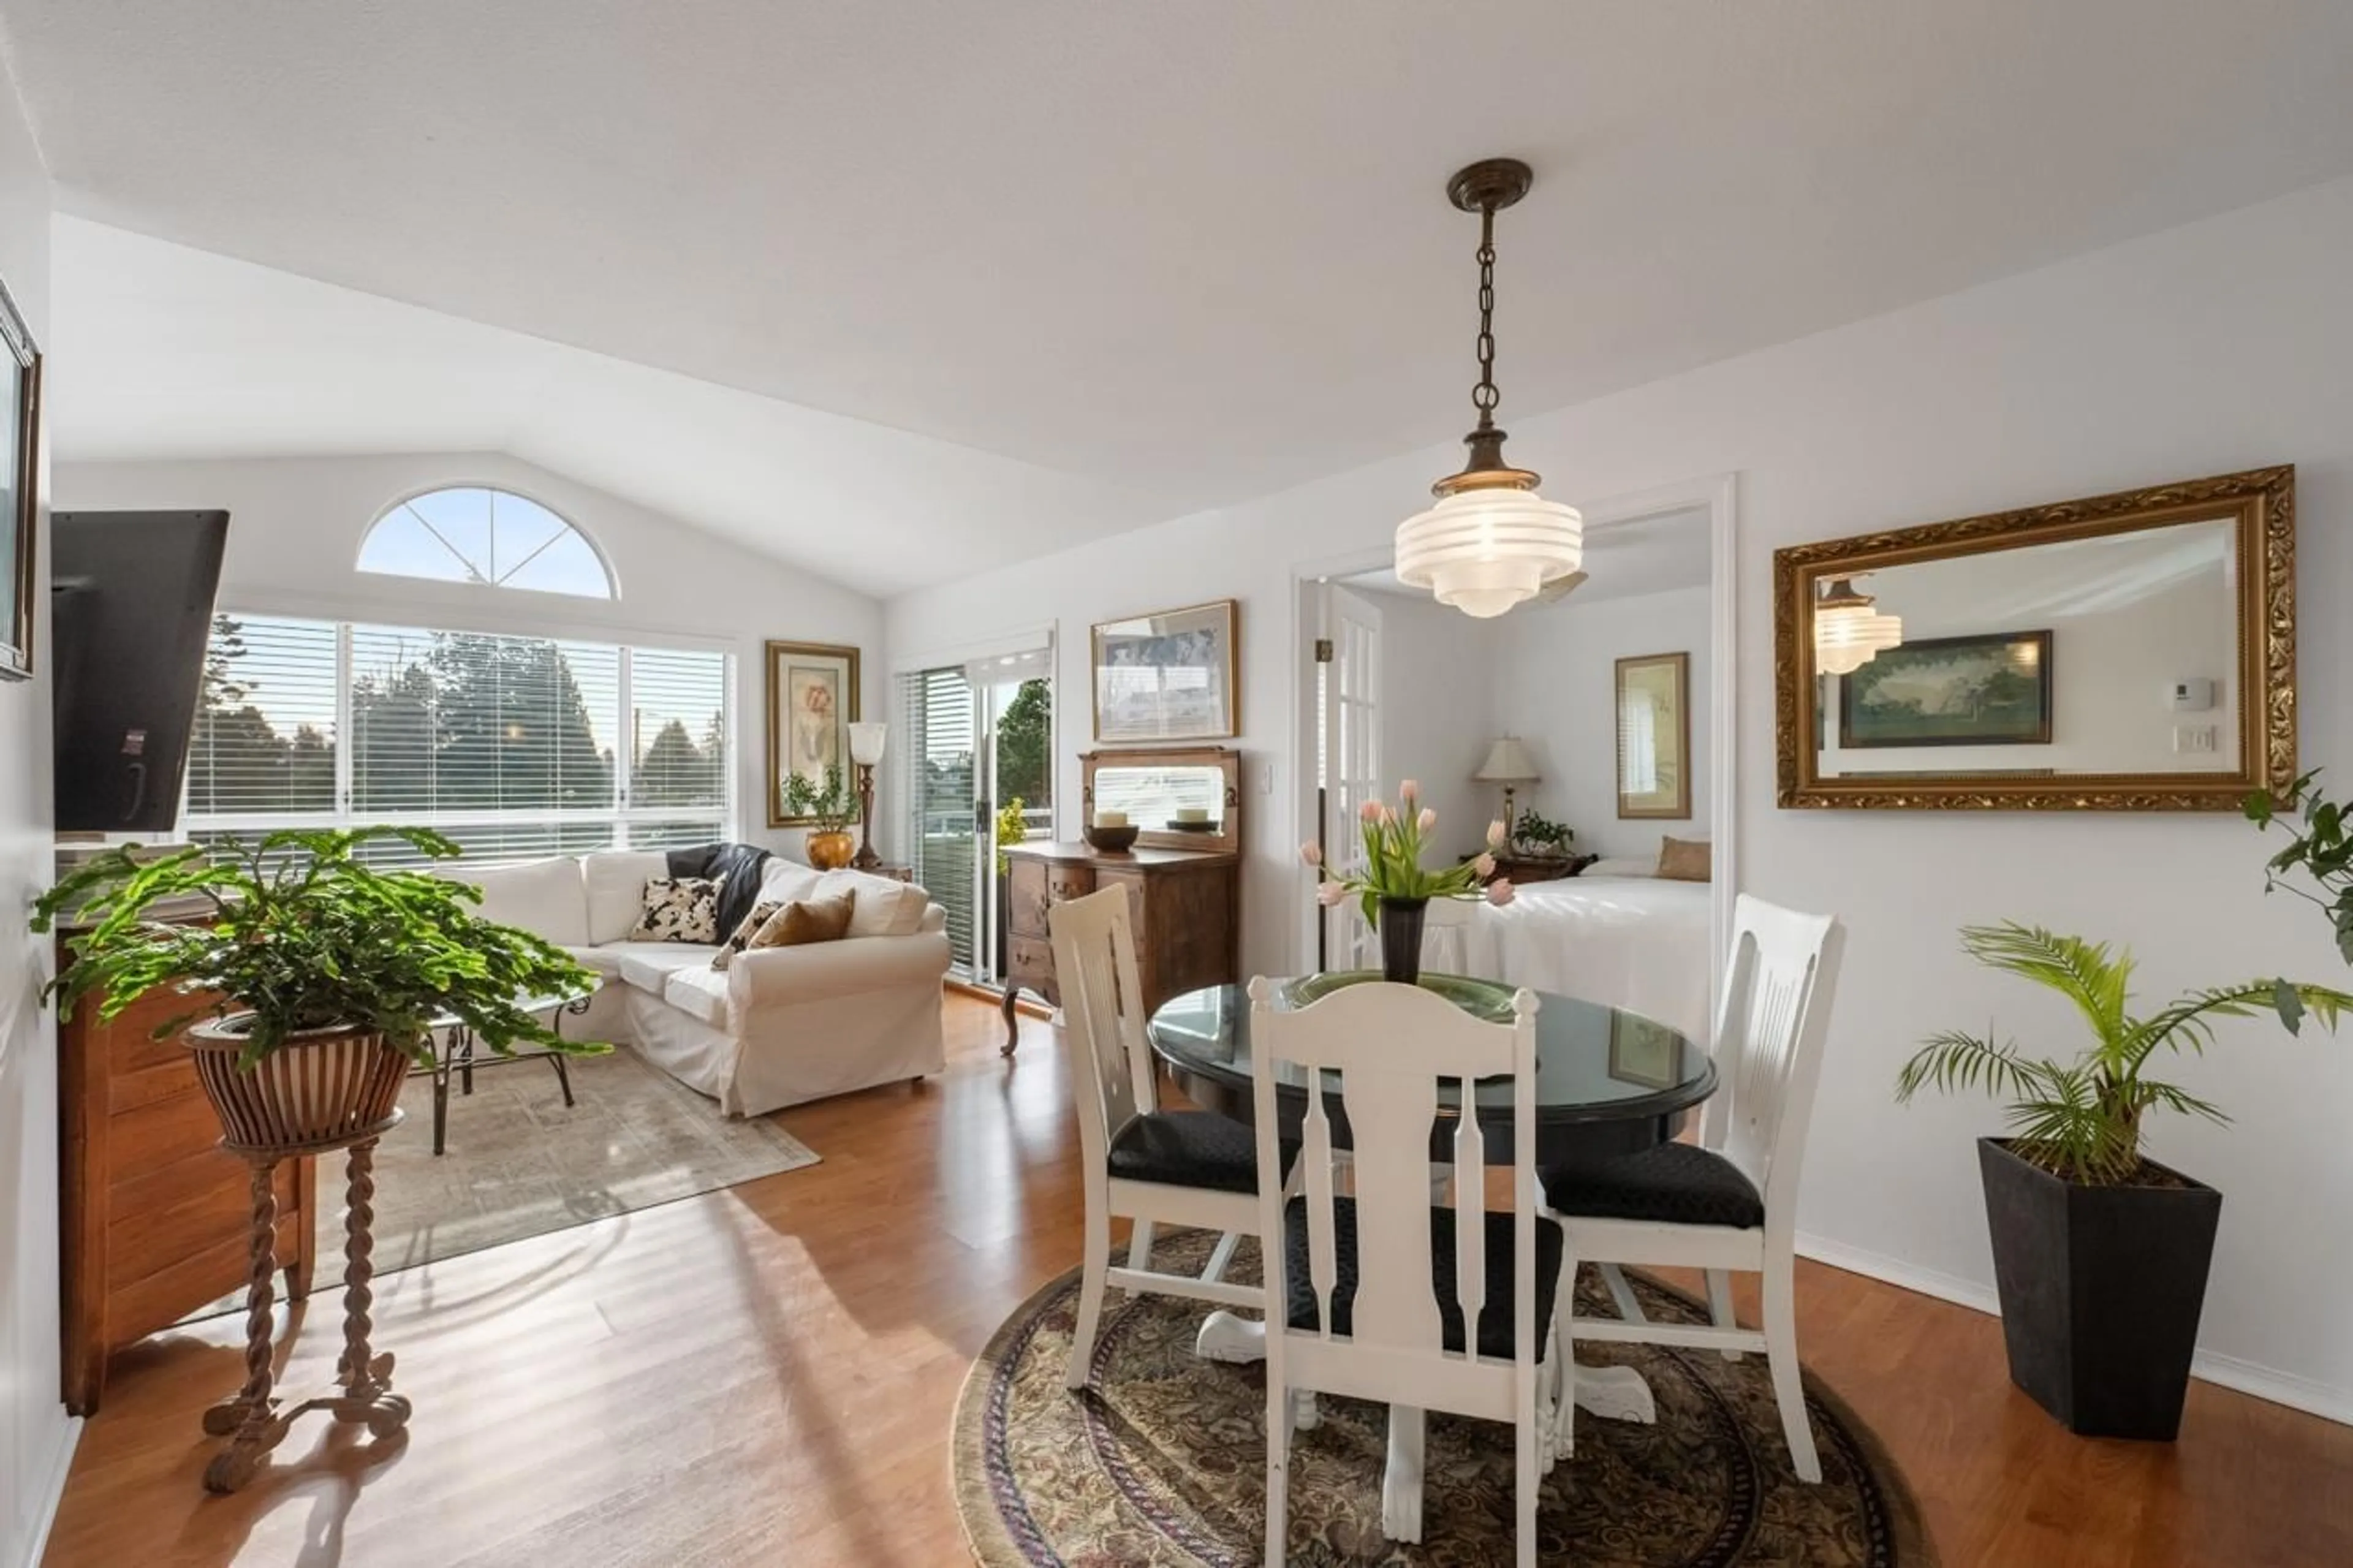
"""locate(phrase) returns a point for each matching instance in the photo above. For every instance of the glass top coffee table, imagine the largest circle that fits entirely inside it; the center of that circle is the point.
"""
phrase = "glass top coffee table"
(458, 1056)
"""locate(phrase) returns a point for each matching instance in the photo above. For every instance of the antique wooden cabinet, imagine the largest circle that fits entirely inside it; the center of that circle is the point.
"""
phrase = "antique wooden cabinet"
(1184, 882)
(155, 1218)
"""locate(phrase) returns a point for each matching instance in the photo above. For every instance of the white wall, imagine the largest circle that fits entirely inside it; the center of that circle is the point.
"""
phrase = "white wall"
(1559, 691)
(1437, 714)
(35, 1435)
(295, 526)
(2217, 346)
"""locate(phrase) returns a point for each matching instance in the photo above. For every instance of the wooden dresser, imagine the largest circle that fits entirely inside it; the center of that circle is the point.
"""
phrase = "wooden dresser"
(155, 1218)
(1183, 889)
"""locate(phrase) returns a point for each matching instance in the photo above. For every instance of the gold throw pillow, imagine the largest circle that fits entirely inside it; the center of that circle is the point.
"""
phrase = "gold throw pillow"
(1684, 859)
(804, 921)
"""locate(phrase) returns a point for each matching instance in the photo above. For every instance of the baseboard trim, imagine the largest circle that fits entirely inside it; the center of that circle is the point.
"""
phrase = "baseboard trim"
(2224, 1371)
(53, 1493)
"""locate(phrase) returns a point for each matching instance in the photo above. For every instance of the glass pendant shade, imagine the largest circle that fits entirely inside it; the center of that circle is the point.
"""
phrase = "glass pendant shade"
(1485, 549)
(1849, 630)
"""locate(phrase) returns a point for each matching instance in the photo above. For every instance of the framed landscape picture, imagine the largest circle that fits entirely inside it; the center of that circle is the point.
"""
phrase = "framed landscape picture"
(1168, 676)
(1991, 690)
(1654, 737)
(812, 702)
(20, 429)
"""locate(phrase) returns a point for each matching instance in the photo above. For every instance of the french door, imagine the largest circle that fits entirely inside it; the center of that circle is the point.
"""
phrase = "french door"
(1348, 755)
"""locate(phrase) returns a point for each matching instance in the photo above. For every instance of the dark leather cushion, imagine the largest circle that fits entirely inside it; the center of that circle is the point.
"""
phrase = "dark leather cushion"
(1674, 1184)
(1187, 1149)
(1496, 1337)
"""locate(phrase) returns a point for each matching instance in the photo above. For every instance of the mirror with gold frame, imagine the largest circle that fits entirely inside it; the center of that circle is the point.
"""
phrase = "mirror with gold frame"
(2127, 652)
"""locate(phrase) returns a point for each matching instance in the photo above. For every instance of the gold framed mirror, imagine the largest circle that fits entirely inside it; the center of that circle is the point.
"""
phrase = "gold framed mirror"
(2127, 652)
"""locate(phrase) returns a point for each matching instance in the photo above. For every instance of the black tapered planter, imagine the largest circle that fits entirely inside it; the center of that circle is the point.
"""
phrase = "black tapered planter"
(2101, 1290)
(1401, 939)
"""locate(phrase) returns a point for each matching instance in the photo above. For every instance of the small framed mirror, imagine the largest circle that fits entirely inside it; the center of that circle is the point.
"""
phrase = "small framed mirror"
(1177, 798)
(2128, 652)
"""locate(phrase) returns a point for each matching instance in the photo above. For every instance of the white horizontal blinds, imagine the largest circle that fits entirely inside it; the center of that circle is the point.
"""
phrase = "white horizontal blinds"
(678, 731)
(1638, 743)
(457, 723)
(264, 737)
(509, 745)
(936, 783)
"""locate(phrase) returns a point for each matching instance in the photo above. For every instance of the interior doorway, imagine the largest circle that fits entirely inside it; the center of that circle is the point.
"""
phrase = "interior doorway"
(1348, 753)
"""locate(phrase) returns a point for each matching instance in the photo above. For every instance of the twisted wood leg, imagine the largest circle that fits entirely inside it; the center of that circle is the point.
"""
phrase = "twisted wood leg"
(249, 1415)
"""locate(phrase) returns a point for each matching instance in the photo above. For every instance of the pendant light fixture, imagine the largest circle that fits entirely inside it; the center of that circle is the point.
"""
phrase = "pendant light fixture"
(1491, 541)
(1849, 630)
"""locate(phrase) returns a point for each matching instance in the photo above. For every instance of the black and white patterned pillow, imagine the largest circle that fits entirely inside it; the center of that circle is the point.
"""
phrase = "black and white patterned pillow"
(678, 908)
(745, 931)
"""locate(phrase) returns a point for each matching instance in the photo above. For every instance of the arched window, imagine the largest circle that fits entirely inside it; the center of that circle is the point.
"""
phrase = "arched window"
(469, 533)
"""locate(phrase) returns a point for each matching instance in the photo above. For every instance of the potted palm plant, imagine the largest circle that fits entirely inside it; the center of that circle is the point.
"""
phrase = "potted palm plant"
(1390, 884)
(2100, 1253)
(325, 971)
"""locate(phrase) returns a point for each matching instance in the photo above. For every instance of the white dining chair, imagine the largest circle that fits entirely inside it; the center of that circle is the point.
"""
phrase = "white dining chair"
(1385, 1295)
(1148, 1165)
(1730, 1201)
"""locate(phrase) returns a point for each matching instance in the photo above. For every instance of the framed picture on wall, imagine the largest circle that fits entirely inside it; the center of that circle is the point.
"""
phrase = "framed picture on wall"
(1168, 676)
(1986, 690)
(1654, 737)
(20, 429)
(812, 702)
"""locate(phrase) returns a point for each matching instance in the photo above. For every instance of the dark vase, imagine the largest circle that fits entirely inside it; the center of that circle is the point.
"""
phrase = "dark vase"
(2101, 1290)
(1401, 939)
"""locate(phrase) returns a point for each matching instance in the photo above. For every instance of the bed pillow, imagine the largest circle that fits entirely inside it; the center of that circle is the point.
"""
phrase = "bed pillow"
(1683, 860)
(803, 921)
(1622, 866)
(762, 912)
(678, 908)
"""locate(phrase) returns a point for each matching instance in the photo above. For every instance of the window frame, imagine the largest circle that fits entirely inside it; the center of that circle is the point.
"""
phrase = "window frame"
(612, 595)
(625, 814)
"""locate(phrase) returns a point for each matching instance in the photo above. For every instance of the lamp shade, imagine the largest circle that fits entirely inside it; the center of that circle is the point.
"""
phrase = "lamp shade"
(1849, 630)
(866, 743)
(1484, 549)
(1507, 763)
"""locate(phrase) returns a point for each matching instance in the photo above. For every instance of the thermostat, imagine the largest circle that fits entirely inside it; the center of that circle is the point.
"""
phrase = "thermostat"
(2194, 694)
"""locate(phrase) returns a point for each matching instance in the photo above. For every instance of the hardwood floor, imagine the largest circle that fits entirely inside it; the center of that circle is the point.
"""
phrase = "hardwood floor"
(765, 1375)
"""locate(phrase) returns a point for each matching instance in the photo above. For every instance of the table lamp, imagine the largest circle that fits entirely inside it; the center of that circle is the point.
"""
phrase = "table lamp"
(1509, 764)
(866, 750)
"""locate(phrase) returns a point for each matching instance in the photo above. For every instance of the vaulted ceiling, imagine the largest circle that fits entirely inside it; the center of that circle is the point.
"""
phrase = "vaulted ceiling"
(1145, 258)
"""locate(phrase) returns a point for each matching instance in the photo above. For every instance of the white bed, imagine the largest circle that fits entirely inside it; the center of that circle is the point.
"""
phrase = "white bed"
(1637, 942)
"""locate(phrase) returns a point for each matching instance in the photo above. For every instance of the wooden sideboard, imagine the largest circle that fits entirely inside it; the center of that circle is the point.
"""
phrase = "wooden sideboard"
(1186, 905)
(156, 1220)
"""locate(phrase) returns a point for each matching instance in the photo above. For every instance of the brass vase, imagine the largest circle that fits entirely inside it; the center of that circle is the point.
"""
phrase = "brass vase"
(830, 851)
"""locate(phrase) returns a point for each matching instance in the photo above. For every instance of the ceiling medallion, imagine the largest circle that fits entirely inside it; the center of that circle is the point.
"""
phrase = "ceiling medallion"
(1491, 541)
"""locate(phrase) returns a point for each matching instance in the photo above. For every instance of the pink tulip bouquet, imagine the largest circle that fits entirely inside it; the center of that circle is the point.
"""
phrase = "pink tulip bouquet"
(1391, 868)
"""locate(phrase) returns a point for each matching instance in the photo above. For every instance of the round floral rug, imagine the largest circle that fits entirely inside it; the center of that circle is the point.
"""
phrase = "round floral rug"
(1163, 1461)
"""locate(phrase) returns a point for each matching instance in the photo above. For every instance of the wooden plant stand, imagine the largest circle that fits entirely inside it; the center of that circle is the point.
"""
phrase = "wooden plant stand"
(251, 1418)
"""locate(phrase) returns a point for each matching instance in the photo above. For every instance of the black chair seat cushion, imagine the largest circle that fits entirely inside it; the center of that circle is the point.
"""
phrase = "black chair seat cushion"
(1496, 1337)
(1187, 1149)
(1672, 1184)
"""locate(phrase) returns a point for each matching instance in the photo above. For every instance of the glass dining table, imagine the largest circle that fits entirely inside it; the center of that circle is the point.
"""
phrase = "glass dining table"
(1609, 1082)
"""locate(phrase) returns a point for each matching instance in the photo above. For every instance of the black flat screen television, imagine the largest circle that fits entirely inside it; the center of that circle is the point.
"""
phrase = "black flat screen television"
(131, 596)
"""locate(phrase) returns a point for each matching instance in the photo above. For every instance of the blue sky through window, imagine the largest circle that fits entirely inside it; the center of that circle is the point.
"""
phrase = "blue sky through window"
(473, 534)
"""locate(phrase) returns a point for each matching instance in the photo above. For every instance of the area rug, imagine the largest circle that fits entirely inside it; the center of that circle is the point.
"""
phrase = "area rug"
(519, 1162)
(1163, 1461)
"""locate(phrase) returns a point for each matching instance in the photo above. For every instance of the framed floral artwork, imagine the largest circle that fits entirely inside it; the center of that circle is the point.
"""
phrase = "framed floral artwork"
(812, 702)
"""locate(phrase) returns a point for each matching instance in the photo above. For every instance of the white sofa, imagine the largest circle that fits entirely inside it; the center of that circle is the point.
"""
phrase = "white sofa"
(777, 1026)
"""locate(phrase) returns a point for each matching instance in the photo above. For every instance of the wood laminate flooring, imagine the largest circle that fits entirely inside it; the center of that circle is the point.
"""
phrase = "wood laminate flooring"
(764, 1376)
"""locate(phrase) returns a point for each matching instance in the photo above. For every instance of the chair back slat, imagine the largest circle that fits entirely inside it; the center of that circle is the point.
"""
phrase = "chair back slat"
(1381, 1051)
(1470, 1209)
(1095, 971)
(1776, 1009)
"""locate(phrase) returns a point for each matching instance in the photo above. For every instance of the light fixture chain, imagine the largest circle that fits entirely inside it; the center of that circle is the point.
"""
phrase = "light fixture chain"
(1484, 396)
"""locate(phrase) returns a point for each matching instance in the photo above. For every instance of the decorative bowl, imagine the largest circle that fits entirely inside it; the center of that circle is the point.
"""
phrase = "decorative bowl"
(1112, 840)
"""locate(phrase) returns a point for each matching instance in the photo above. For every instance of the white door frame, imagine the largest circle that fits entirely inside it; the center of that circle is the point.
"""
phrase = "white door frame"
(1718, 494)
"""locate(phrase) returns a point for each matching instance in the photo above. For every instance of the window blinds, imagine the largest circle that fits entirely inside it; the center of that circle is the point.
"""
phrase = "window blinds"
(935, 785)
(511, 745)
